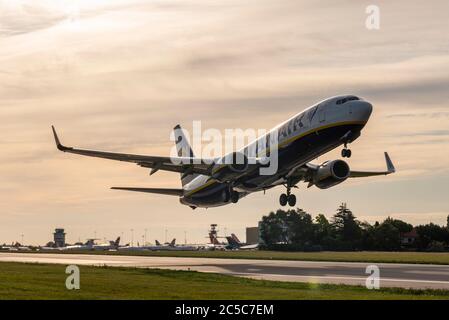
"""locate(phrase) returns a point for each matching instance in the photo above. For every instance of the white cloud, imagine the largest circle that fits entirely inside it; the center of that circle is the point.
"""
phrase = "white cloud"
(118, 75)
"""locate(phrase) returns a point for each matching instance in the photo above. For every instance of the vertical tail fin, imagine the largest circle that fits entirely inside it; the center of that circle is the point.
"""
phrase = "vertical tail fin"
(172, 243)
(235, 238)
(232, 242)
(184, 150)
(157, 243)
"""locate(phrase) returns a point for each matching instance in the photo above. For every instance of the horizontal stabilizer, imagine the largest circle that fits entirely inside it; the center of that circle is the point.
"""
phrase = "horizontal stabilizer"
(168, 192)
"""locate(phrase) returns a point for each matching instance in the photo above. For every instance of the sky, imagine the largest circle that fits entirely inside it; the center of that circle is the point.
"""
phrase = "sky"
(119, 75)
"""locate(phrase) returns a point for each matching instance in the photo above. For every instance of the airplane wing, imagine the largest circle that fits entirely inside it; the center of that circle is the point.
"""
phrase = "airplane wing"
(169, 192)
(178, 164)
(305, 172)
(183, 165)
(390, 169)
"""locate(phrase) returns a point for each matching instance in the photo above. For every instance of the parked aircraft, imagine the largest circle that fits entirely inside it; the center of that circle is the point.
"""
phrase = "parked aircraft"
(172, 246)
(91, 245)
(234, 243)
(214, 244)
(304, 137)
(112, 245)
(15, 247)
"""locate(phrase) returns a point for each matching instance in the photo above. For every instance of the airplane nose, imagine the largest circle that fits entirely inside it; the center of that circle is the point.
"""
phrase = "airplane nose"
(364, 110)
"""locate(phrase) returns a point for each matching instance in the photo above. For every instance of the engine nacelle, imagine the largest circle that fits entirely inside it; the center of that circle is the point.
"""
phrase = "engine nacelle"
(239, 162)
(331, 173)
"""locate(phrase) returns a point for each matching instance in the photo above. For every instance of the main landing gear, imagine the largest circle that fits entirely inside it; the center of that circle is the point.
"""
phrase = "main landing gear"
(346, 153)
(287, 198)
(234, 196)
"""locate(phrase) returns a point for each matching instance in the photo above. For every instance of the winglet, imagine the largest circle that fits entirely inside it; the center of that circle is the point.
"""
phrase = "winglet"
(58, 143)
(390, 166)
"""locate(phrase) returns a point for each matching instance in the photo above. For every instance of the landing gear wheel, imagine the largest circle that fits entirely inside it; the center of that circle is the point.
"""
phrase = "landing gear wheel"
(234, 197)
(283, 199)
(292, 200)
(346, 153)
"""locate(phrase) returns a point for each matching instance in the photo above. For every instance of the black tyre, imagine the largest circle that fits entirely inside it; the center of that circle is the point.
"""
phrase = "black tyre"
(283, 199)
(234, 197)
(348, 153)
(292, 200)
(343, 153)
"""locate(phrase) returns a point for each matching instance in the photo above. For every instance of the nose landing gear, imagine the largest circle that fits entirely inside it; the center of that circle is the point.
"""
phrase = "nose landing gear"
(346, 153)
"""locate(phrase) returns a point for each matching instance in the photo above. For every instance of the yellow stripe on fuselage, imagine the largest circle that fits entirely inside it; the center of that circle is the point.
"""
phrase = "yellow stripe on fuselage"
(288, 141)
(208, 183)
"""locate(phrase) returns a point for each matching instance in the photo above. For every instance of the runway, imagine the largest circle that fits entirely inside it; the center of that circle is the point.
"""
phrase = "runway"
(417, 276)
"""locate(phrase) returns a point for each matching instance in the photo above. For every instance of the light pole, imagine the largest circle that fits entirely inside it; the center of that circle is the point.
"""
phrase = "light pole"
(22, 239)
(132, 237)
(145, 240)
(166, 235)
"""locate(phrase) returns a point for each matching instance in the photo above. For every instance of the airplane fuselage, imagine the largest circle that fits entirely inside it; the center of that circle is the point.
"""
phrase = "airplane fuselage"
(302, 138)
(280, 157)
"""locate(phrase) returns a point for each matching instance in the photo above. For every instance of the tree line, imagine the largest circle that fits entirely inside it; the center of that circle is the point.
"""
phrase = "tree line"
(296, 230)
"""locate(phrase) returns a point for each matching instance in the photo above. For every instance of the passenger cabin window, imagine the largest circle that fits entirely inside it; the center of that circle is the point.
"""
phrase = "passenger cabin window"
(346, 99)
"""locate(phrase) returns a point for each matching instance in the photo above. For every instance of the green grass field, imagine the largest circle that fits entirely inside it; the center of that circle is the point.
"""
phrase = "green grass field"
(363, 256)
(43, 281)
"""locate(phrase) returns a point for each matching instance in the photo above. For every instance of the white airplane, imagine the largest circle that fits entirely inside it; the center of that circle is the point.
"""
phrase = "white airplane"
(309, 134)
(112, 245)
(172, 246)
(157, 246)
(89, 245)
(235, 244)
(15, 247)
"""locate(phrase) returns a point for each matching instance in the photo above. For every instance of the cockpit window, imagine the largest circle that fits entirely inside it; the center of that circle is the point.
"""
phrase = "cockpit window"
(346, 99)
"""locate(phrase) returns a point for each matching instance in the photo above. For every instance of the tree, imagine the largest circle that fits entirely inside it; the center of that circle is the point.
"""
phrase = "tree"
(272, 229)
(346, 228)
(386, 236)
(430, 233)
(300, 227)
(322, 231)
(402, 226)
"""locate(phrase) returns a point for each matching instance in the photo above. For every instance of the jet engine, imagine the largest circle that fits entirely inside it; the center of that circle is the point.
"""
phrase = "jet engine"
(239, 162)
(331, 173)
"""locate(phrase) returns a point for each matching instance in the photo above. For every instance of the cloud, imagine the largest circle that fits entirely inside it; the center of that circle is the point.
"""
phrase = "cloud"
(417, 218)
(442, 114)
(430, 133)
(118, 75)
(20, 17)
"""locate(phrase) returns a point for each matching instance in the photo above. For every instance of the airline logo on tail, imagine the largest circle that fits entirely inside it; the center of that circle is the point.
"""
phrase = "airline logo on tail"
(116, 243)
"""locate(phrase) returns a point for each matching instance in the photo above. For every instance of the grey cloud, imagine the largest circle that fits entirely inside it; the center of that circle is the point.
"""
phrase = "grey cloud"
(27, 18)
(442, 114)
(228, 63)
(428, 133)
